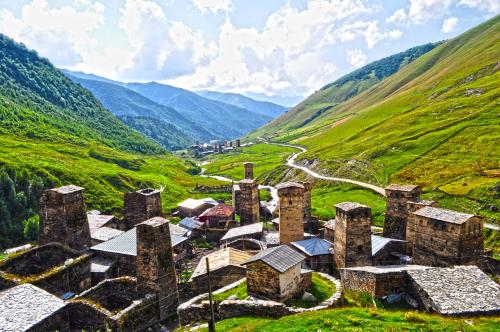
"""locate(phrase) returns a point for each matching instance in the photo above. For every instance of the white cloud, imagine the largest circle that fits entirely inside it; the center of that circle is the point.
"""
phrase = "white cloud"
(491, 6)
(62, 34)
(399, 16)
(449, 24)
(356, 57)
(213, 5)
(423, 10)
(367, 29)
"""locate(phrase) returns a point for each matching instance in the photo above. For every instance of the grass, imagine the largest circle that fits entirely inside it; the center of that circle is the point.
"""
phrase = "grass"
(264, 156)
(105, 173)
(358, 319)
(321, 289)
(239, 291)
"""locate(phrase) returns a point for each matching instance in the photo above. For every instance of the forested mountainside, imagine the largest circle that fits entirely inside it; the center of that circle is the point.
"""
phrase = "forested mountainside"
(37, 100)
(434, 123)
(343, 89)
(54, 132)
(262, 107)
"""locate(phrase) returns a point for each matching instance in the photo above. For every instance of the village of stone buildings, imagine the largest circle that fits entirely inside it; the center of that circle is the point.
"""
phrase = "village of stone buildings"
(94, 272)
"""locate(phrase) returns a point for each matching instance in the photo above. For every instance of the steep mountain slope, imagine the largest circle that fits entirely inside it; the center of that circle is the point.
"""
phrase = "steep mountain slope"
(54, 132)
(343, 89)
(37, 100)
(262, 107)
(434, 123)
(224, 121)
(122, 101)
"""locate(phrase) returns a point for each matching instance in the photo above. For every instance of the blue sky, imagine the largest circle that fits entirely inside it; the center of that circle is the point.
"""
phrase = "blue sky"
(275, 50)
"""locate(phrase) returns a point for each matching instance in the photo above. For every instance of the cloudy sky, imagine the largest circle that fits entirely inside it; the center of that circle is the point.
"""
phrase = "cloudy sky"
(280, 50)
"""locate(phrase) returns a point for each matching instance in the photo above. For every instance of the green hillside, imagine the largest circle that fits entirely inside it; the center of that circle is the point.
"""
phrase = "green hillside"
(343, 89)
(434, 123)
(54, 132)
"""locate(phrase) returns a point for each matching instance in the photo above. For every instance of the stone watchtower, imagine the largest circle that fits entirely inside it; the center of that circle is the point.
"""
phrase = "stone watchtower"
(411, 224)
(63, 218)
(353, 244)
(155, 264)
(141, 205)
(249, 202)
(238, 143)
(307, 200)
(248, 170)
(396, 213)
(291, 211)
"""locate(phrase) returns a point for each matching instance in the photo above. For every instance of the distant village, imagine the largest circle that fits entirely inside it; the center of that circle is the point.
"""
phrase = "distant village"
(94, 272)
(199, 150)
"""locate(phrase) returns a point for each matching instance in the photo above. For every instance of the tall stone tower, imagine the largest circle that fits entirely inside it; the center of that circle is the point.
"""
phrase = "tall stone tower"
(307, 200)
(249, 202)
(155, 264)
(63, 217)
(396, 213)
(238, 143)
(353, 244)
(141, 205)
(291, 211)
(248, 170)
(411, 224)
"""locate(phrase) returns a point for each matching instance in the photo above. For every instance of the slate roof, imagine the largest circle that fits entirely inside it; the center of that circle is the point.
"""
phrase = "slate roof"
(461, 290)
(285, 185)
(314, 246)
(281, 258)
(348, 206)
(220, 210)
(68, 189)
(178, 230)
(383, 269)
(330, 224)
(105, 233)
(98, 220)
(126, 243)
(236, 232)
(190, 223)
(23, 306)
(379, 242)
(219, 259)
(443, 214)
(401, 187)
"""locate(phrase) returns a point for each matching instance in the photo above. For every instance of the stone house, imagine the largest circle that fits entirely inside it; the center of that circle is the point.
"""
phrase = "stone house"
(225, 268)
(318, 253)
(194, 207)
(218, 216)
(445, 238)
(275, 273)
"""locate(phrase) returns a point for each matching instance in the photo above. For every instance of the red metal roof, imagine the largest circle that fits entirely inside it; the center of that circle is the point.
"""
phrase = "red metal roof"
(220, 210)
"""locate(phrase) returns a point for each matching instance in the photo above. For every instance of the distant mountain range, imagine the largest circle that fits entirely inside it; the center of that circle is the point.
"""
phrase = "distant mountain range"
(188, 115)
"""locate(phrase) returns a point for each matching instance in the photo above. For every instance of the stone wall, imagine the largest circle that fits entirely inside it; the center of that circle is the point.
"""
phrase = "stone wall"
(290, 282)
(52, 267)
(377, 285)
(218, 278)
(140, 206)
(225, 188)
(85, 316)
(155, 264)
(291, 211)
(353, 244)
(249, 202)
(63, 218)
(263, 281)
(113, 294)
(440, 243)
(396, 213)
(411, 224)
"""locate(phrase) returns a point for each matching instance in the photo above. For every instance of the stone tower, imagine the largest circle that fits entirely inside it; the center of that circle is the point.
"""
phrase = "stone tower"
(155, 264)
(291, 211)
(248, 170)
(353, 244)
(238, 143)
(141, 205)
(236, 198)
(63, 217)
(249, 202)
(307, 200)
(411, 223)
(396, 213)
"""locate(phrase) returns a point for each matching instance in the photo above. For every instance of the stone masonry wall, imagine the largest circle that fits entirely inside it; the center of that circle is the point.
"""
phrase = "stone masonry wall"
(412, 221)
(140, 206)
(352, 246)
(263, 281)
(63, 218)
(218, 278)
(396, 213)
(291, 212)
(249, 202)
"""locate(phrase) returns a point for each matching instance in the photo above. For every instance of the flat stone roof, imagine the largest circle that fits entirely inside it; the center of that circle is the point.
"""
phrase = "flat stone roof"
(443, 214)
(98, 220)
(383, 269)
(68, 189)
(348, 206)
(23, 306)
(154, 222)
(401, 187)
(460, 290)
(105, 233)
(285, 185)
